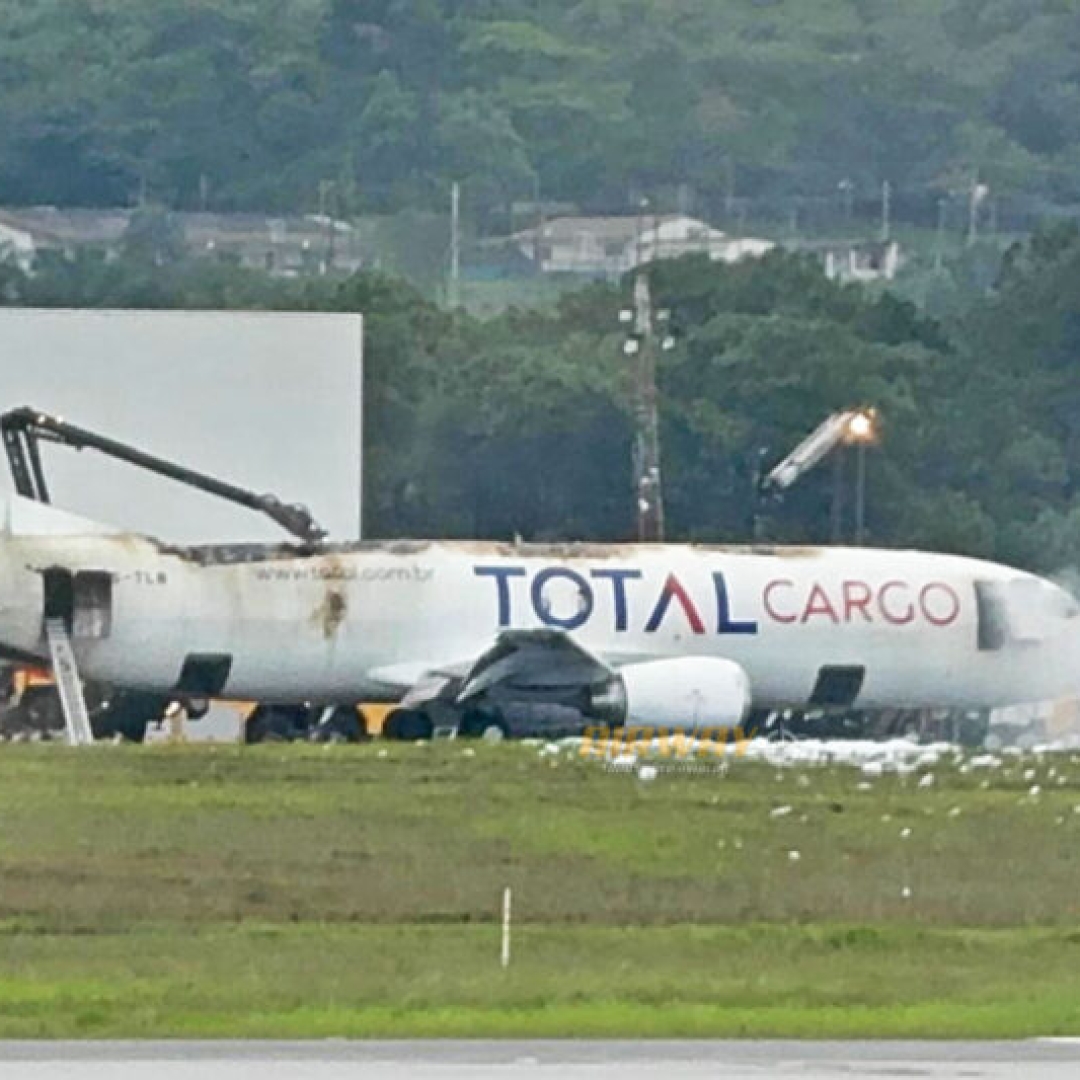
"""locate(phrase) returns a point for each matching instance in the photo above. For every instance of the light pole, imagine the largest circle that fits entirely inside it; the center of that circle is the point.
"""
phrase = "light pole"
(846, 187)
(836, 515)
(861, 431)
(939, 240)
(641, 343)
(848, 427)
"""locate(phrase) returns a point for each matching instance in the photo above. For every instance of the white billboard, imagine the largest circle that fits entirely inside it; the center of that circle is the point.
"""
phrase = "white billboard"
(266, 400)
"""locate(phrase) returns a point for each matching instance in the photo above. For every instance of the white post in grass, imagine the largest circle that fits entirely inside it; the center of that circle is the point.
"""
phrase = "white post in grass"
(506, 928)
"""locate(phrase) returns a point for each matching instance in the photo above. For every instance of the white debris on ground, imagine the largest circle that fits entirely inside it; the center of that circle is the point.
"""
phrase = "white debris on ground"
(874, 759)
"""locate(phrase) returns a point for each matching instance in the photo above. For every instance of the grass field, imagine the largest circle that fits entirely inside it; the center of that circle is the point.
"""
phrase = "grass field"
(294, 891)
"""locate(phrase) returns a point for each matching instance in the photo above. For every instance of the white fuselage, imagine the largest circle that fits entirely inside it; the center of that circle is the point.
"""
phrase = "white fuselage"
(345, 623)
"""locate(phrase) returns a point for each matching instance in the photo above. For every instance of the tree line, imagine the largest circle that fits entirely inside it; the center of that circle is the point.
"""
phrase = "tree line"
(353, 106)
(522, 425)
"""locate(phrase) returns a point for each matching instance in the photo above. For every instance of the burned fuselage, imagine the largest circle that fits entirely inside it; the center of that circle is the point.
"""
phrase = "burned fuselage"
(348, 622)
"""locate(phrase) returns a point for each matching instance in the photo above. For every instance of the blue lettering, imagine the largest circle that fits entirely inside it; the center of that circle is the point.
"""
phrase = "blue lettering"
(618, 579)
(674, 590)
(502, 576)
(543, 608)
(725, 623)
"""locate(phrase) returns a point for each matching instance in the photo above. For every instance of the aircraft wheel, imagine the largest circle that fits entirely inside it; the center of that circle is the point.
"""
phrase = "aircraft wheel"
(343, 725)
(907, 726)
(13, 723)
(408, 725)
(495, 731)
(974, 729)
(275, 723)
(196, 708)
(480, 725)
(130, 728)
(42, 709)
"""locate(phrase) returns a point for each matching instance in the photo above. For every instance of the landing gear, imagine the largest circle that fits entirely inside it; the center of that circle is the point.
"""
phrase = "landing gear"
(481, 725)
(196, 708)
(305, 723)
(112, 713)
(277, 723)
(129, 727)
(42, 712)
(408, 725)
(341, 725)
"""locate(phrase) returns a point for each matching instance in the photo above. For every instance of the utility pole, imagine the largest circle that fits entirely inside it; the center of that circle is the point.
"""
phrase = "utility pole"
(455, 245)
(976, 198)
(538, 207)
(325, 188)
(846, 187)
(860, 492)
(886, 210)
(939, 244)
(647, 481)
(836, 514)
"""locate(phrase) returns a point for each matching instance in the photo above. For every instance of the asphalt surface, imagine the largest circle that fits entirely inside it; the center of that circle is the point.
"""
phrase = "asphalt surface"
(515, 1060)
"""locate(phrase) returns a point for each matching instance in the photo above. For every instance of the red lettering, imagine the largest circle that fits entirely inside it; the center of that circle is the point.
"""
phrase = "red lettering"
(673, 589)
(773, 614)
(943, 612)
(892, 616)
(857, 597)
(817, 603)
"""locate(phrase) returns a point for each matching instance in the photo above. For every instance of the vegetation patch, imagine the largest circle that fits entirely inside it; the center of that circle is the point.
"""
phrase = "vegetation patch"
(289, 891)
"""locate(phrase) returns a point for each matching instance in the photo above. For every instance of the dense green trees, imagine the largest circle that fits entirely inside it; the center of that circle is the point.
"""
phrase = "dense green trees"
(263, 103)
(522, 425)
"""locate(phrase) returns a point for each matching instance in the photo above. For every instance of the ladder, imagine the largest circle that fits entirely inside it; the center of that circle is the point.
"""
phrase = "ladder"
(66, 672)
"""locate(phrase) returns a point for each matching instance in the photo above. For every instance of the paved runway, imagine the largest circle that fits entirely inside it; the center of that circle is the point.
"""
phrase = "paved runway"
(570, 1060)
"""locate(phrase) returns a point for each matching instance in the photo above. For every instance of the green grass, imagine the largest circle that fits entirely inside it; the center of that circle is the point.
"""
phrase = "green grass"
(293, 891)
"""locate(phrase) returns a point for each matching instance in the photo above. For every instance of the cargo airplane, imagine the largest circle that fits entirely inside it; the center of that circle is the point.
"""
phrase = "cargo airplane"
(680, 636)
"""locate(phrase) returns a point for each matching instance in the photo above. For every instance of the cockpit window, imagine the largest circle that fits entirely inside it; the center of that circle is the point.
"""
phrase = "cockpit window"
(1024, 609)
(993, 615)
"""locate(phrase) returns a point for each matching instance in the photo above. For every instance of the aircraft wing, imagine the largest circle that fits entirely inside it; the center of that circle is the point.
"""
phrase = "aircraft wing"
(538, 660)
(533, 659)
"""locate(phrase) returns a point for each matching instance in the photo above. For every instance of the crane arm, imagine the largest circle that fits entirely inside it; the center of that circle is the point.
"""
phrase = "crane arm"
(831, 433)
(25, 428)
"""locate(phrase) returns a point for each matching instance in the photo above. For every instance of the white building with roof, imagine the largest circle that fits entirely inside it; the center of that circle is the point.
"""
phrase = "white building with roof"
(610, 246)
(284, 245)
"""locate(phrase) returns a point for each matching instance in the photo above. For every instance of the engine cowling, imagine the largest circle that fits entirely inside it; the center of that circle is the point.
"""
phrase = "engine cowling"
(682, 694)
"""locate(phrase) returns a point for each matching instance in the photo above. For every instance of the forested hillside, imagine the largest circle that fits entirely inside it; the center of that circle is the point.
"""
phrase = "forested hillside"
(361, 105)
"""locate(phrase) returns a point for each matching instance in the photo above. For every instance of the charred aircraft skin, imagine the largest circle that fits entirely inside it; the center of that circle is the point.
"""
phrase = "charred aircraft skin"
(349, 622)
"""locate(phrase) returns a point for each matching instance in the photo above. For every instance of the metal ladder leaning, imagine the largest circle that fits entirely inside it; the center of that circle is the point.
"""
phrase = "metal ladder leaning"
(66, 672)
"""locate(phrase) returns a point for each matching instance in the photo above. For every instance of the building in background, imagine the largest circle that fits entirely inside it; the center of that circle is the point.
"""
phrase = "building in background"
(288, 246)
(853, 261)
(610, 246)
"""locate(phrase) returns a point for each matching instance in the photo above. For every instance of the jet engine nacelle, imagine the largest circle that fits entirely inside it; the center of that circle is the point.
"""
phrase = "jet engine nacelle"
(684, 693)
